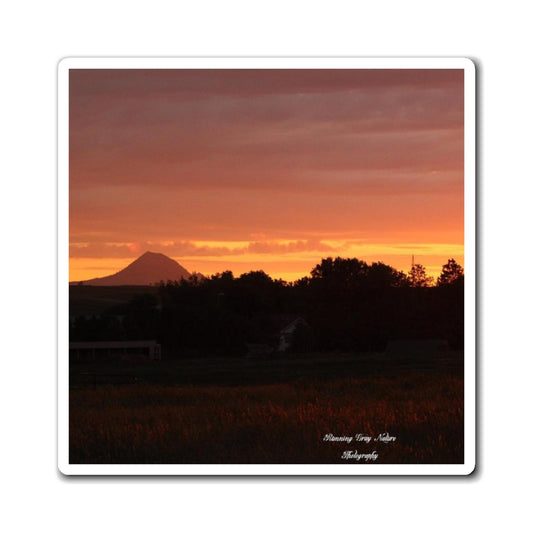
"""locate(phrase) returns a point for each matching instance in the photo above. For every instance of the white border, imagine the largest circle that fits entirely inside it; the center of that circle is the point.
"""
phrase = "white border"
(470, 264)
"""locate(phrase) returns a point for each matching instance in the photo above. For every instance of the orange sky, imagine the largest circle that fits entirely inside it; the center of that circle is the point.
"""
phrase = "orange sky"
(265, 169)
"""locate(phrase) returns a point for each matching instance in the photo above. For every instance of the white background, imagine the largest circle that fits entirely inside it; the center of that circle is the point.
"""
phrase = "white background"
(34, 36)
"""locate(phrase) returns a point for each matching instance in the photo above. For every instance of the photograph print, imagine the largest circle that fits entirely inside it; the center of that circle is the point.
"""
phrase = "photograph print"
(268, 267)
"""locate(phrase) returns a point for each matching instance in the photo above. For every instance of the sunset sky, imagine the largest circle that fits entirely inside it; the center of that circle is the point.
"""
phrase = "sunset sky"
(265, 169)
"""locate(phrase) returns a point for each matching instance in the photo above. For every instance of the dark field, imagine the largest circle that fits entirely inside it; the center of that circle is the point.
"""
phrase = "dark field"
(91, 300)
(268, 411)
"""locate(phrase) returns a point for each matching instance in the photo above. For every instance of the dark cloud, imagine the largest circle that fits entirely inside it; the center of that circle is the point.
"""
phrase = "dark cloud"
(187, 248)
(194, 84)
(257, 129)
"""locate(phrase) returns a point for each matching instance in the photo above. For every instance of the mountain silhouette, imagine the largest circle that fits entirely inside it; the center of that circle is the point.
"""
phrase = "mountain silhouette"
(148, 269)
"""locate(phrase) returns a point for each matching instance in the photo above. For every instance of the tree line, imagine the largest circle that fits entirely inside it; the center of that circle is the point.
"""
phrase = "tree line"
(344, 304)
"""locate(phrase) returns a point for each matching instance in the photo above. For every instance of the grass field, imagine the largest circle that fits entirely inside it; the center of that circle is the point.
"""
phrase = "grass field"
(177, 414)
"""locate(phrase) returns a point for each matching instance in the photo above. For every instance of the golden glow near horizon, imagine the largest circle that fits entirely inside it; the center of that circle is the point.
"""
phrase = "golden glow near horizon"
(289, 266)
(265, 170)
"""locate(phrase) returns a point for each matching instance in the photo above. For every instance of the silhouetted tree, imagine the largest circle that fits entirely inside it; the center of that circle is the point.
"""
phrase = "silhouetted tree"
(347, 303)
(452, 274)
(302, 339)
(257, 278)
(223, 277)
(417, 277)
(380, 276)
(350, 272)
(141, 317)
